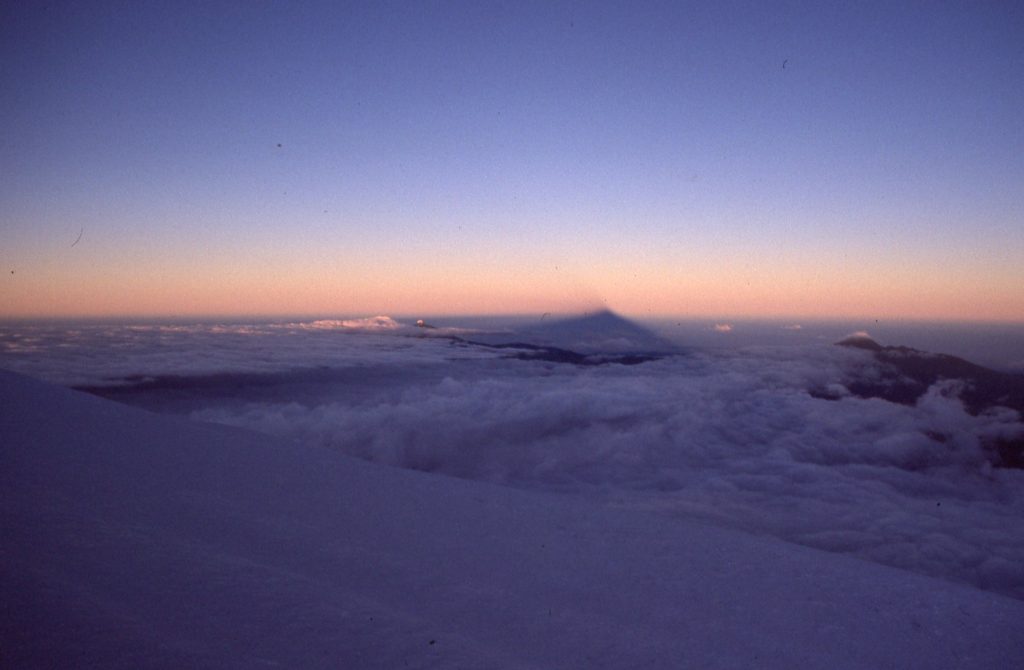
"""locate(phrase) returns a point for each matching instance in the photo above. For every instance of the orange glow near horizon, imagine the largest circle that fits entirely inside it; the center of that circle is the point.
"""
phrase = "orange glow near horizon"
(397, 288)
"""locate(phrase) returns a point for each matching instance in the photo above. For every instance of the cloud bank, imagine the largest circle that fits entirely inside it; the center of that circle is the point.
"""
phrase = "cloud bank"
(733, 439)
(767, 439)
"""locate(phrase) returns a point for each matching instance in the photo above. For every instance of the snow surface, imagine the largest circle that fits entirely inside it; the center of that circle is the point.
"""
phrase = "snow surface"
(139, 540)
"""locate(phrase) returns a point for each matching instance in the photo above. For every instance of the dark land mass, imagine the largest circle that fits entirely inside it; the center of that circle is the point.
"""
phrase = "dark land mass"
(908, 373)
(534, 352)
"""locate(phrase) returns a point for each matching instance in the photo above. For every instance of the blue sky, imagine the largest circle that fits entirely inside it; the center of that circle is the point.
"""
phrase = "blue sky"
(728, 158)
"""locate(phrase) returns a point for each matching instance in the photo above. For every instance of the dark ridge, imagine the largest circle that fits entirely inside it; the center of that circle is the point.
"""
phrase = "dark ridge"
(908, 373)
(184, 393)
(824, 394)
(222, 382)
(536, 352)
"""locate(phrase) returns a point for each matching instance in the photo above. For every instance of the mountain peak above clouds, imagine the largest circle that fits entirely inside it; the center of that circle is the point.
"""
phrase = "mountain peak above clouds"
(860, 340)
(369, 324)
(904, 375)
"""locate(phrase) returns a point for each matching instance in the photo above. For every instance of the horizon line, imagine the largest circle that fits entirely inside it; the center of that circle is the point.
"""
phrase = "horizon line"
(559, 314)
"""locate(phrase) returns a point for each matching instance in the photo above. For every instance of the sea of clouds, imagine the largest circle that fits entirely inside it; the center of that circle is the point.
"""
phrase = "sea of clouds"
(734, 437)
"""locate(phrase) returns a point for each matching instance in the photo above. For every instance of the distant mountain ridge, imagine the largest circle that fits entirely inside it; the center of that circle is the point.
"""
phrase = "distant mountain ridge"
(909, 373)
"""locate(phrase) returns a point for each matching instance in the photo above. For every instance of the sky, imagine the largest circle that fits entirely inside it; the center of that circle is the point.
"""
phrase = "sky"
(660, 159)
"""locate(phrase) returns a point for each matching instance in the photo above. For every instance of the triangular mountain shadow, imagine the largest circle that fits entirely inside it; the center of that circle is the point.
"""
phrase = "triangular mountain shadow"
(592, 339)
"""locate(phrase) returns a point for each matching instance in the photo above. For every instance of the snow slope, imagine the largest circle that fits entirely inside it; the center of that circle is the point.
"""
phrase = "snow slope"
(139, 540)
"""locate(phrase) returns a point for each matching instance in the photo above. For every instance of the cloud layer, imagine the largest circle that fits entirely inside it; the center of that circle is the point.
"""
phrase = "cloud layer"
(733, 439)
(767, 439)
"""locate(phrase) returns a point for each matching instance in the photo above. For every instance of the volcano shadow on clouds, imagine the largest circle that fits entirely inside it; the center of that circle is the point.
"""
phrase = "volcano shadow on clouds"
(593, 339)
